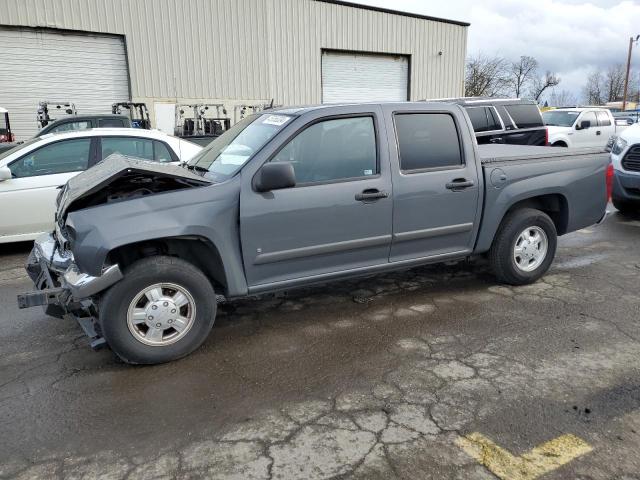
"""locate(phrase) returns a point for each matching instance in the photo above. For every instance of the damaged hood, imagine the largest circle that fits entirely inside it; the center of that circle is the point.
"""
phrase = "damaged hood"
(118, 167)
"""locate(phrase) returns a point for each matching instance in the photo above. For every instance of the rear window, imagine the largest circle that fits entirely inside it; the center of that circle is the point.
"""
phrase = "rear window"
(427, 141)
(110, 122)
(603, 119)
(525, 115)
(483, 119)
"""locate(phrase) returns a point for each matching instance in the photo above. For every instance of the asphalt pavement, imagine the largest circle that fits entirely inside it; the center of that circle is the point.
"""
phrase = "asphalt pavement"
(433, 373)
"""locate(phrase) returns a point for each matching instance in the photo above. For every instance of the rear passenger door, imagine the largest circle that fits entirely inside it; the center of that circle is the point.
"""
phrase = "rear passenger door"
(435, 184)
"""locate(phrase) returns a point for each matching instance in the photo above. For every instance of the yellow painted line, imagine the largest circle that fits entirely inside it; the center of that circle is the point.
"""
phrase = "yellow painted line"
(538, 461)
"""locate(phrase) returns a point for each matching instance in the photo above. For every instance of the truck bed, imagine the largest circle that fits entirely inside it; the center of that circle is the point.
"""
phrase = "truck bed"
(491, 154)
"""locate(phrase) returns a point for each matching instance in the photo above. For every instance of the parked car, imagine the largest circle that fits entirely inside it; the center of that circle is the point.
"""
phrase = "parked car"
(31, 173)
(625, 156)
(504, 120)
(580, 127)
(296, 197)
(78, 122)
(85, 122)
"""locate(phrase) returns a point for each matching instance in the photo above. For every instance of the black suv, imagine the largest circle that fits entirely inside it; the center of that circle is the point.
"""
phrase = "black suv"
(504, 120)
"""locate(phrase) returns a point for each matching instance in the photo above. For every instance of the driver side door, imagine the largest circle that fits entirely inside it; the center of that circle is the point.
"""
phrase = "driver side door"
(29, 196)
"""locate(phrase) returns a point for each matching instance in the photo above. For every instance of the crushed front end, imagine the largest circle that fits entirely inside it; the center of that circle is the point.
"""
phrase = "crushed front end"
(61, 289)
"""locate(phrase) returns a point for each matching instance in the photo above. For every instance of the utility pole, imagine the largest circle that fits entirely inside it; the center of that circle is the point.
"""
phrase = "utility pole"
(626, 78)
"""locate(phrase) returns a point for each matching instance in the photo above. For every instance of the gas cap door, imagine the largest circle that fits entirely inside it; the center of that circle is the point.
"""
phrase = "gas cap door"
(498, 178)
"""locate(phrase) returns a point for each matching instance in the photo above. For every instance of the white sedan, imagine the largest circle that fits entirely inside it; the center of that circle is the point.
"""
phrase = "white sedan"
(31, 173)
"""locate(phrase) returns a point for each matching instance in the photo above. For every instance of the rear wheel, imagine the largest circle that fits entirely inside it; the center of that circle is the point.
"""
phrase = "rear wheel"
(162, 309)
(524, 247)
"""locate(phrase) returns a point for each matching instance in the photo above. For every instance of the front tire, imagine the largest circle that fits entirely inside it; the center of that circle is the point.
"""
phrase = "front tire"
(524, 247)
(624, 208)
(162, 310)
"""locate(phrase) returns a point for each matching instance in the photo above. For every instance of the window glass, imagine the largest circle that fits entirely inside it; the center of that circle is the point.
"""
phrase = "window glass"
(129, 146)
(110, 123)
(560, 118)
(590, 117)
(525, 115)
(162, 153)
(478, 117)
(494, 121)
(427, 140)
(333, 150)
(71, 126)
(508, 125)
(603, 119)
(3, 123)
(227, 154)
(60, 157)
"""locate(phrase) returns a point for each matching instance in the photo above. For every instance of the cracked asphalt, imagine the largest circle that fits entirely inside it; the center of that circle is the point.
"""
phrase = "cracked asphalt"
(370, 379)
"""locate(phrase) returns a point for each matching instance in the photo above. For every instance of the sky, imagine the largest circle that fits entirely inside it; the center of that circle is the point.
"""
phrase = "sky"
(569, 37)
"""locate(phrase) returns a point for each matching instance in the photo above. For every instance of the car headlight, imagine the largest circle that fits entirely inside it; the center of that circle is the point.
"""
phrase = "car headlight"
(619, 145)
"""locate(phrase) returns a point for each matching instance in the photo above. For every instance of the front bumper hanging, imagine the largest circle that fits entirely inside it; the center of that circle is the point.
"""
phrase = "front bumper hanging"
(62, 289)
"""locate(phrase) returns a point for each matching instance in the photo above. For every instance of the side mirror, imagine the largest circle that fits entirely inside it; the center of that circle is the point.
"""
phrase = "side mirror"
(274, 176)
(5, 174)
(584, 124)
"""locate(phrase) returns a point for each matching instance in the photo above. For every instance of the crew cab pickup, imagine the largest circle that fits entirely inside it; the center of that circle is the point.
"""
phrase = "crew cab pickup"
(295, 197)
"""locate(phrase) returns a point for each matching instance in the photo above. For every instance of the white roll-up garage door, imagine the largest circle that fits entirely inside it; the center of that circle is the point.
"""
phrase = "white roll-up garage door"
(88, 70)
(357, 77)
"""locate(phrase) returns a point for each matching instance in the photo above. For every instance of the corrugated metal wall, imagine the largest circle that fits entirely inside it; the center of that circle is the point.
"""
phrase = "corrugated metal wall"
(251, 49)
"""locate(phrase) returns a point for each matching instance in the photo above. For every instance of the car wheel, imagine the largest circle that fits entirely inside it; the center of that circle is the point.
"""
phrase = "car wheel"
(560, 144)
(524, 247)
(162, 309)
(624, 207)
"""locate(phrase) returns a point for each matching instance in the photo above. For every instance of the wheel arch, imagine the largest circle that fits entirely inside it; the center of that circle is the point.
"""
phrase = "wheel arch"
(556, 205)
(197, 250)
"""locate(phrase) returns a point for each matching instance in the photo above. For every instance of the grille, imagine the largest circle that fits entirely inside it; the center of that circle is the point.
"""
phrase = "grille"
(631, 161)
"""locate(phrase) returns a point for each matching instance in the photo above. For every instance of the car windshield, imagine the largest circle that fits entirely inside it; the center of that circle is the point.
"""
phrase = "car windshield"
(6, 153)
(226, 155)
(555, 118)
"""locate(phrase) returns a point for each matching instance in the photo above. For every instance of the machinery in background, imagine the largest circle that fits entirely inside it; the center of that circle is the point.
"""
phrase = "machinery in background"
(137, 112)
(5, 127)
(201, 122)
(47, 108)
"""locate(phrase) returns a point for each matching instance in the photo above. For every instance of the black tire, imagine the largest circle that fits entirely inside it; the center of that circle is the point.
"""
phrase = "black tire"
(560, 144)
(114, 306)
(625, 208)
(501, 255)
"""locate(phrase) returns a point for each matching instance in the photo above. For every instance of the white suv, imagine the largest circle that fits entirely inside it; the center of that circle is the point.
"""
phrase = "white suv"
(31, 173)
(625, 157)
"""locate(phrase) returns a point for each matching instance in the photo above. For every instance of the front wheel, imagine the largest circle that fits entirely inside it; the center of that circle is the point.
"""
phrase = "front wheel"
(162, 309)
(524, 247)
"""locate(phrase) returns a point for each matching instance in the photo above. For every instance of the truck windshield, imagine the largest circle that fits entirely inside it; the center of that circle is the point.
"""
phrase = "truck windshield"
(3, 123)
(560, 119)
(226, 155)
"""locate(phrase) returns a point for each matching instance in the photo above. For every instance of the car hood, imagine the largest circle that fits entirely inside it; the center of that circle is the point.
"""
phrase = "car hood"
(631, 134)
(119, 177)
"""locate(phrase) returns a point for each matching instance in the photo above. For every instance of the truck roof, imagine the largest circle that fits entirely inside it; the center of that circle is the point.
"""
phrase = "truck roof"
(299, 110)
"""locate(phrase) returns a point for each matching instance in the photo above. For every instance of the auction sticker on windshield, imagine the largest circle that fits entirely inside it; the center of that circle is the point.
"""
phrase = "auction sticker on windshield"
(277, 120)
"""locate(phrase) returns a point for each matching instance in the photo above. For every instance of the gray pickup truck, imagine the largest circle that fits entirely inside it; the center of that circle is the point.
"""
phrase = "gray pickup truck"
(294, 197)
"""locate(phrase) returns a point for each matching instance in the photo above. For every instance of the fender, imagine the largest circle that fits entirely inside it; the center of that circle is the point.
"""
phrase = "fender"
(185, 213)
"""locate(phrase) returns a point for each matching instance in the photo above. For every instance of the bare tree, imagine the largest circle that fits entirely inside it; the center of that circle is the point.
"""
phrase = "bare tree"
(614, 82)
(521, 74)
(563, 98)
(539, 85)
(485, 76)
(593, 90)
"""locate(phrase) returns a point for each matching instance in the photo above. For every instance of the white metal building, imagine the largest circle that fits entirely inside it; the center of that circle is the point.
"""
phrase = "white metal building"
(233, 52)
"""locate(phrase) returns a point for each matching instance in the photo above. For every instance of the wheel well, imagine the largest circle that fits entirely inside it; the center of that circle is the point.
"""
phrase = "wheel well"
(196, 250)
(554, 205)
(559, 143)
